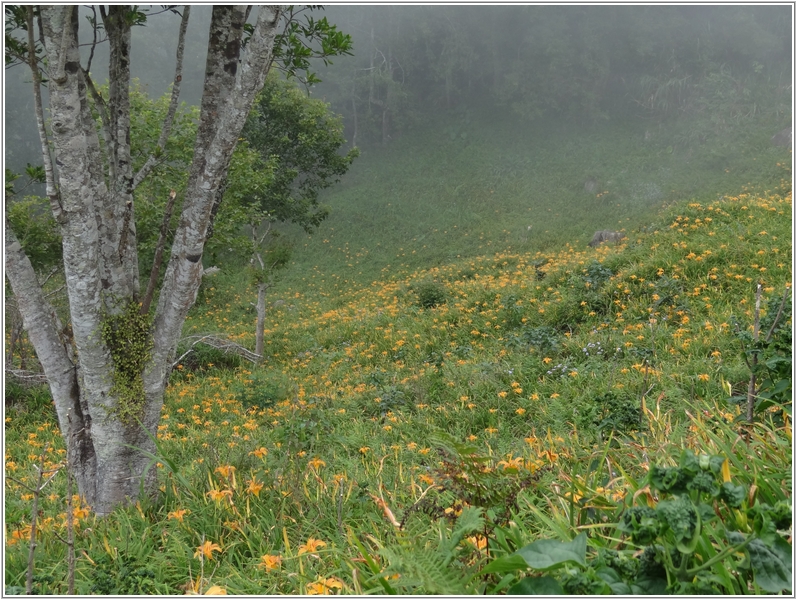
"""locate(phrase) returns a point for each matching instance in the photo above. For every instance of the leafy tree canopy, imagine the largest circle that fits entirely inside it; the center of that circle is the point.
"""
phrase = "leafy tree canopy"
(301, 139)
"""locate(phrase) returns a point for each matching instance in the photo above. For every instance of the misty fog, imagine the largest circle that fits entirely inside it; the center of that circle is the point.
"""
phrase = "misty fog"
(588, 59)
(500, 90)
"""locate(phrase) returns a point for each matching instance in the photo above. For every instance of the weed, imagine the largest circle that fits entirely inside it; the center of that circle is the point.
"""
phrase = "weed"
(543, 339)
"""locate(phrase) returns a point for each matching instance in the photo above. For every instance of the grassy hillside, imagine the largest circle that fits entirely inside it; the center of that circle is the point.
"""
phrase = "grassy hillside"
(468, 185)
(487, 400)
(446, 359)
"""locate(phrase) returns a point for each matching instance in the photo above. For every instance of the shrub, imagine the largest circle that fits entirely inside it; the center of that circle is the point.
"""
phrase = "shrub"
(429, 293)
(390, 399)
(617, 413)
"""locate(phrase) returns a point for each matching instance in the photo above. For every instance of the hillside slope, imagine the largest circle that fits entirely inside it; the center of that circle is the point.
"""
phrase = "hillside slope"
(468, 185)
(493, 401)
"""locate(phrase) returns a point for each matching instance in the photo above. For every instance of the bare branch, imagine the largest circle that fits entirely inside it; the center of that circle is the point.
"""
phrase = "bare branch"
(160, 12)
(49, 275)
(751, 386)
(70, 522)
(30, 378)
(18, 482)
(220, 343)
(33, 517)
(169, 119)
(265, 233)
(778, 315)
(55, 292)
(52, 192)
(94, 38)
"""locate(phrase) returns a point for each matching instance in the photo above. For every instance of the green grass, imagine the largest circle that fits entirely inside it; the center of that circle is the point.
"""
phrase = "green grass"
(532, 348)
(426, 199)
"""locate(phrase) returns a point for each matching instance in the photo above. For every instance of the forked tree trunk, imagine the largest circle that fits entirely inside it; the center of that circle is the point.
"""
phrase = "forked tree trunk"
(94, 206)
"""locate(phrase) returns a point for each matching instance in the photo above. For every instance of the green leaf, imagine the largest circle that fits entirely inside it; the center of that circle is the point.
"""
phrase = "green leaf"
(611, 577)
(536, 586)
(715, 463)
(375, 569)
(506, 564)
(683, 519)
(733, 495)
(771, 564)
(649, 586)
(689, 462)
(669, 479)
(544, 555)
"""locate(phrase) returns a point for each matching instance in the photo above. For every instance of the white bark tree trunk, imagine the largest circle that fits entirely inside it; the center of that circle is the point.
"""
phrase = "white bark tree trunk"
(262, 287)
(95, 188)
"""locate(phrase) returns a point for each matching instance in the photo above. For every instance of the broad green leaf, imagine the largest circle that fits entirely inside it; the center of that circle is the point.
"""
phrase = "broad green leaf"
(715, 463)
(689, 462)
(683, 520)
(771, 564)
(536, 586)
(550, 554)
(506, 564)
(669, 479)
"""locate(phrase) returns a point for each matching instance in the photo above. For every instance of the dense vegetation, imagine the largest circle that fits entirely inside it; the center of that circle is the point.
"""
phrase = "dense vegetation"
(561, 378)
(458, 395)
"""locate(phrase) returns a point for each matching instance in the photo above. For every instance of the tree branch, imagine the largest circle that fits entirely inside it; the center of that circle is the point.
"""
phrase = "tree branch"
(169, 119)
(156, 265)
(52, 191)
(219, 343)
(94, 38)
(59, 76)
(778, 315)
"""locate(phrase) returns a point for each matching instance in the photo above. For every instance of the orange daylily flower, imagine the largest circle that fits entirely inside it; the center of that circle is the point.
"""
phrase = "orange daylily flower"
(254, 487)
(225, 470)
(260, 452)
(311, 546)
(317, 463)
(270, 562)
(178, 514)
(324, 586)
(215, 590)
(220, 494)
(206, 550)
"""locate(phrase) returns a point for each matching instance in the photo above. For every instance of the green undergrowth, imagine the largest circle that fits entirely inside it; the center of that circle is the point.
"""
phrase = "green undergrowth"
(421, 433)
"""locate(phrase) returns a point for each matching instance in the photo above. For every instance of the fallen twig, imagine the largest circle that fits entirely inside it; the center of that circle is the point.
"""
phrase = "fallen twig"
(220, 343)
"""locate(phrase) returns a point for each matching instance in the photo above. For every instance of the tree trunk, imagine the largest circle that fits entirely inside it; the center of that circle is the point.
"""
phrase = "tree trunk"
(354, 109)
(261, 318)
(95, 189)
(55, 354)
